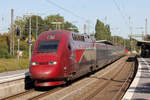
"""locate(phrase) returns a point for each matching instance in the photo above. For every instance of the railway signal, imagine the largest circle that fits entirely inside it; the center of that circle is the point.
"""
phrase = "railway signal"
(18, 35)
(18, 32)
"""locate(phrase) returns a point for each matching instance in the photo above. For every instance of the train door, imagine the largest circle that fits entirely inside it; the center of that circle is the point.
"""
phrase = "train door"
(71, 60)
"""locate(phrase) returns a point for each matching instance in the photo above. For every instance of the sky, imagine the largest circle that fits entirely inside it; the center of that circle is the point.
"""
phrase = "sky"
(79, 12)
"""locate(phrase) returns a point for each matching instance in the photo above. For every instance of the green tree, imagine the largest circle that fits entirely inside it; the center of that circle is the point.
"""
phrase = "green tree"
(98, 27)
(107, 32)
(70, 27)
(147, 38)
(4, 45)
(53, 18)
(43, 25)
(102, 31)
(34, 20)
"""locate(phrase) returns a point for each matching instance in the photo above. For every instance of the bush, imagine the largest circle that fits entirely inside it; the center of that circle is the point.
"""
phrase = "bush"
(4, 53)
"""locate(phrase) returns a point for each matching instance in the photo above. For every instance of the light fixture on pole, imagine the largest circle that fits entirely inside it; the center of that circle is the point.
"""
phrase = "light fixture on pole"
(57, 23)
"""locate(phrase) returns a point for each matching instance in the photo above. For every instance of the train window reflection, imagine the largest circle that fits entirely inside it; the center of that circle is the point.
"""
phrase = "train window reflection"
(48, 46)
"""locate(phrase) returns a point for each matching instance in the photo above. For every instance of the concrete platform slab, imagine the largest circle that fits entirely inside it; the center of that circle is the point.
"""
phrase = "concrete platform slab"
(140, 87)
(13, 75)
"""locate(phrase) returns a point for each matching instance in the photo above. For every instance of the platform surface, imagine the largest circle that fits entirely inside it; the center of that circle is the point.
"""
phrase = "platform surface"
(11, 73)
(140, 87)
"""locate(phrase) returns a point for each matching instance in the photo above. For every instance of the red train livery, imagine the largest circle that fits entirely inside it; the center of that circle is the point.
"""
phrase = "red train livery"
(60, 56)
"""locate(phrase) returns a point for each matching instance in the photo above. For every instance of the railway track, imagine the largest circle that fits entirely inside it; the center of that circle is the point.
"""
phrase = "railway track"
(126, 83)
(38, 97)
(102, 90)
(32, 94)
(18, 95)
(102, 87)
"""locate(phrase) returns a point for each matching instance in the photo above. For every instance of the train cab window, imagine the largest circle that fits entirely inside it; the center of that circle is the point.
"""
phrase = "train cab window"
(48, 46)
(69, 47)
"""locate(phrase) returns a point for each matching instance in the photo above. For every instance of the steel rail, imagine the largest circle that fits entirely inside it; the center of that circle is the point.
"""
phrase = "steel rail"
(105, 85)
(119, 91)
(108, 71)
(45, 94)
(18, 95)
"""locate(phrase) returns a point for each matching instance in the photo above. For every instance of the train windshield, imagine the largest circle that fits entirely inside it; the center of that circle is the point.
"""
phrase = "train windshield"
(48, 46)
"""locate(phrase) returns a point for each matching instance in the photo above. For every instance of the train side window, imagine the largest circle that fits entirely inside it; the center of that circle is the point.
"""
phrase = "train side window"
(69, 47)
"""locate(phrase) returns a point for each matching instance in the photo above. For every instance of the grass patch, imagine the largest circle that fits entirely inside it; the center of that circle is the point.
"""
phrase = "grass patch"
(13, 64)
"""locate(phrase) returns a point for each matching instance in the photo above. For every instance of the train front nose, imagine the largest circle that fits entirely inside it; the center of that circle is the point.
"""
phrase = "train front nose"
(44, 70)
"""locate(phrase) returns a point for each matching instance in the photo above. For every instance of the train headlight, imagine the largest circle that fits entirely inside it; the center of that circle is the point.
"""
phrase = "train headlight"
(34, 63)
(52, 63)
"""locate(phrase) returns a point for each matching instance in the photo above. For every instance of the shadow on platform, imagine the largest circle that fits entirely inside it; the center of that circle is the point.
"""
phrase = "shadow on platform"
(144, 88)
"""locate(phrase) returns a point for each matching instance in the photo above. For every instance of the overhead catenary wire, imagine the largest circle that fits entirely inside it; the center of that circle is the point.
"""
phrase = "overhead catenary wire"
(123, 8)
(68, 11)
(121, 13)
(64, 9)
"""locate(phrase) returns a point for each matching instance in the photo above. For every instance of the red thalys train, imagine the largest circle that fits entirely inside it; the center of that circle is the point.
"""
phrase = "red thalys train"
(60, 56)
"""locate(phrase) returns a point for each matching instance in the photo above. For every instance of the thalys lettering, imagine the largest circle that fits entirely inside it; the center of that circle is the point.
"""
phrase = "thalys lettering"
(60, 56)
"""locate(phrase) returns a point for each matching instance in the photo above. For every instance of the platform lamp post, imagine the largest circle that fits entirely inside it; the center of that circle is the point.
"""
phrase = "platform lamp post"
(72, 29)
(57, 23)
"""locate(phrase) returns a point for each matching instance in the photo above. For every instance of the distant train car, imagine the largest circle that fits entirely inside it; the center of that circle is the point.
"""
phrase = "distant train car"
(106, 52)
(144, 48)
(60, 56)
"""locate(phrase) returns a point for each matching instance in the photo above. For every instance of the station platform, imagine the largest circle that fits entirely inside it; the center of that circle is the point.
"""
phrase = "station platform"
(10, 73)
(140, 87)
(13, 75)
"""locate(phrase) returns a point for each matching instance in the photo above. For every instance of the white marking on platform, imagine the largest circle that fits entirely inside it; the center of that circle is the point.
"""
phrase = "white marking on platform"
(130, 92)
(146, 64)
